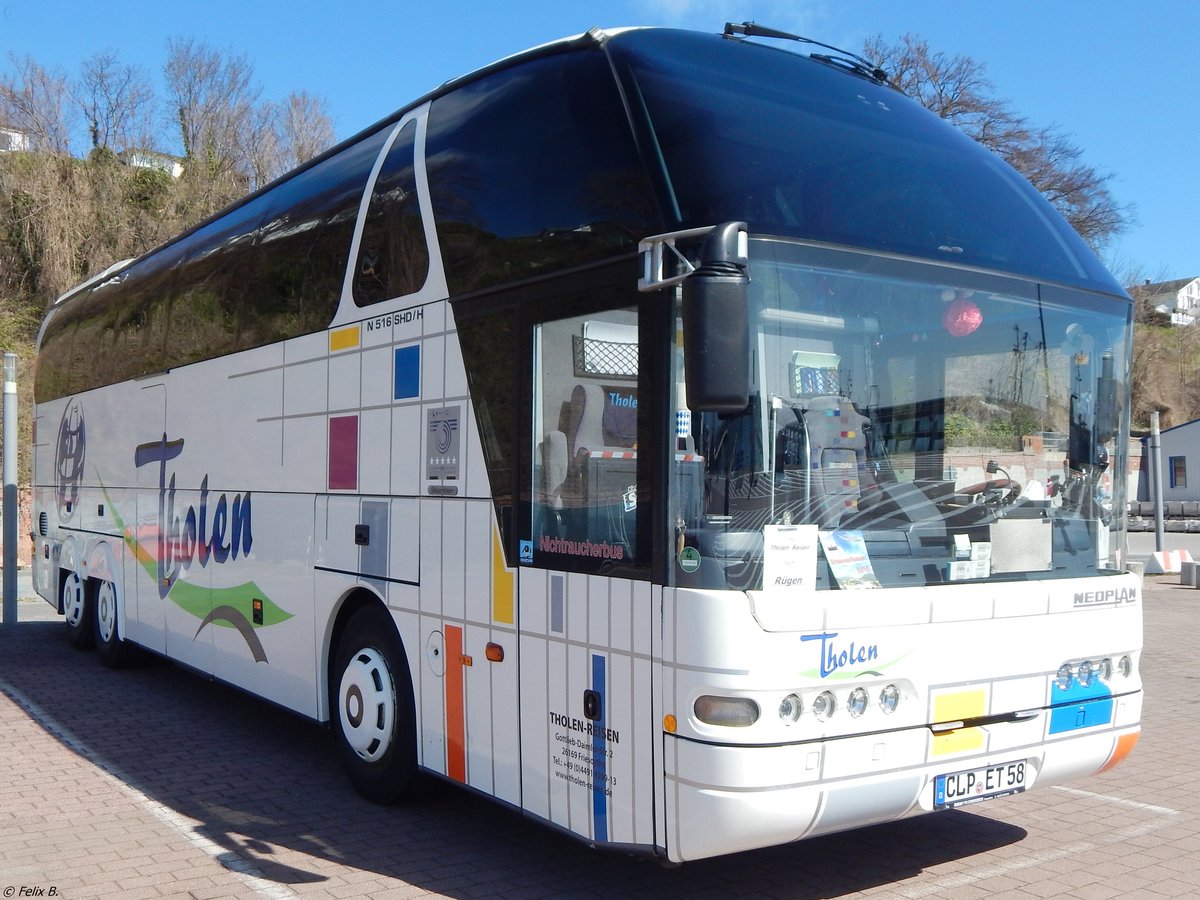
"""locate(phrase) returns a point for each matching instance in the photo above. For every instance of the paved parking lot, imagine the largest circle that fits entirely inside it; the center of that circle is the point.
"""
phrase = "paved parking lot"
(153, 782)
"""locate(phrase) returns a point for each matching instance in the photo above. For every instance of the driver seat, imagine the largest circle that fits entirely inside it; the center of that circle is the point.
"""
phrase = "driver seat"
(837, 457)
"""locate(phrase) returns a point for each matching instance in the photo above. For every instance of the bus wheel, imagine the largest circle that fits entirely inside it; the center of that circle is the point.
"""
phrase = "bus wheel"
(113, 651)
(77, 610)
(371, 707)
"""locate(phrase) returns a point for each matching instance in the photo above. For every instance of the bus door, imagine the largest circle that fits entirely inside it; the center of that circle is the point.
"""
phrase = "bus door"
(585, 601)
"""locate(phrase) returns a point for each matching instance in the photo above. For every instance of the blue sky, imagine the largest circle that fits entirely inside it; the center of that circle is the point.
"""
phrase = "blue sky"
(1118, 77)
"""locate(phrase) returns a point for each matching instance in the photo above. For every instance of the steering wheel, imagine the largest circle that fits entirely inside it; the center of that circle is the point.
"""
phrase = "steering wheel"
(996, 492)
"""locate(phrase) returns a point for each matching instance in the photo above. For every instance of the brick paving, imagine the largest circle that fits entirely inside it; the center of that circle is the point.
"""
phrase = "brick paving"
(153, 782)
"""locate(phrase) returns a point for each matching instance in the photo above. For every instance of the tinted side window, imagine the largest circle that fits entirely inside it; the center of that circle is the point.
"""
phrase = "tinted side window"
(554, 381)
(303, 246)
(113, 331)
(585, 512)
(489, 348)
(392, 257)
(534, 169)
(267, 270)
(218, 281)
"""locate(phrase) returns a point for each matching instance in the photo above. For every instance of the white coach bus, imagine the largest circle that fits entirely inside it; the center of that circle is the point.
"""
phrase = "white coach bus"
(691, 443)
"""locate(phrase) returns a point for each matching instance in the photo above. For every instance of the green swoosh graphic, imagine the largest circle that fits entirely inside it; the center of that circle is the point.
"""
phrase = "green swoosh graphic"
(199, 601)
(839, 675)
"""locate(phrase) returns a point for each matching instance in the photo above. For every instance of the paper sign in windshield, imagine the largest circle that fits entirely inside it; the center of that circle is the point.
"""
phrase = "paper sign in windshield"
(790, 557)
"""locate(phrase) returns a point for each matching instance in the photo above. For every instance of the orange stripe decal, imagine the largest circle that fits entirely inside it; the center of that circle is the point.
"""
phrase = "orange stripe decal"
(1125, 745)
(456, 717)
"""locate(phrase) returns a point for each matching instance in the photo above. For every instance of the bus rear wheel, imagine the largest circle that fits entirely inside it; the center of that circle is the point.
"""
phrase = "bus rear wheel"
(78, 611)
(113, 651)
(371, 708)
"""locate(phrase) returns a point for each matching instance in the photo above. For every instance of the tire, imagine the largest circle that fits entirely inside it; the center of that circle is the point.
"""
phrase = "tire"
(113, 651)
(371, 708)
(78, 610)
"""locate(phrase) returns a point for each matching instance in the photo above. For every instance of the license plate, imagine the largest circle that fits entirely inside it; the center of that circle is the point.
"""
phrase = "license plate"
(973, 785)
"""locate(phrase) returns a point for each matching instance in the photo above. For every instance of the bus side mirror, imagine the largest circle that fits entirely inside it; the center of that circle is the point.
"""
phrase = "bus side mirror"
(716, 325)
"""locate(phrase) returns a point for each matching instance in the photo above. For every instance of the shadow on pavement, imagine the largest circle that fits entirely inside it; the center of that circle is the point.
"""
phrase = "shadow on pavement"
(266, 785)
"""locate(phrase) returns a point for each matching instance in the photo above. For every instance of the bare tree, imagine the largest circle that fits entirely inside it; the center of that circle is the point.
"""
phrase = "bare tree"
(288, 134)
(306, 127)
(37, 100)
(117, 102)
(213, 99)
(263, 151)
(957, 89)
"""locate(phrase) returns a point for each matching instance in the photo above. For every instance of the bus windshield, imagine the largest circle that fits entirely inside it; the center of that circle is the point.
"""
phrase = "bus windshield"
(795, 147)
(930, 425)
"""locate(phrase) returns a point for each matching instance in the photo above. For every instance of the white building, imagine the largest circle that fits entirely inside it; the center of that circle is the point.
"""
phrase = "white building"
(13, 139)
(1180, 298)
(1179, 448)
(152, 159)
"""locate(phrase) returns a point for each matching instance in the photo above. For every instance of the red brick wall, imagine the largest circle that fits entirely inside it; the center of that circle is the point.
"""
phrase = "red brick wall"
(24, 544)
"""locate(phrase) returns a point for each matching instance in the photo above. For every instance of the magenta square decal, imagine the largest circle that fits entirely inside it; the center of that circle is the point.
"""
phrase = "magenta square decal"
(343, 453)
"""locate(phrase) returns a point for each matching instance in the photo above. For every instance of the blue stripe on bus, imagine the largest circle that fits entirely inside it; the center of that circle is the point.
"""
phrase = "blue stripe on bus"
(599, 755)
(407, 377)
(1079, 706)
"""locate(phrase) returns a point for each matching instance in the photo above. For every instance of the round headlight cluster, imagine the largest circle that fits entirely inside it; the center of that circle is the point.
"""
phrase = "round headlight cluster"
(791, 708)
(857, 704)
(889, 699)
(825, 705)
(1088, 671)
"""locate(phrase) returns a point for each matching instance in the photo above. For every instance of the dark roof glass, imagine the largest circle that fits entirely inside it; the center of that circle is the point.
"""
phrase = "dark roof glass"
(796, 147)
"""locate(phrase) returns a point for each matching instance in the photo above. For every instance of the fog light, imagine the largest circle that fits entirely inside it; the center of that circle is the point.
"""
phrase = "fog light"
(731, 712)
(857, 704)
(824, 706)
(889, 699)
(790, 709)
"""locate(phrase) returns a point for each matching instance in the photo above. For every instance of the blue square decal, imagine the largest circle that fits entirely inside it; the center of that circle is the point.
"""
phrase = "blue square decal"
(408, 373)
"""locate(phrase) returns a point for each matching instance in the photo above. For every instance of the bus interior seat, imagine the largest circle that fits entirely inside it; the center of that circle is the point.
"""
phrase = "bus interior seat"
(583, 419)
(586, 423)
(837, 456)
(553, 457)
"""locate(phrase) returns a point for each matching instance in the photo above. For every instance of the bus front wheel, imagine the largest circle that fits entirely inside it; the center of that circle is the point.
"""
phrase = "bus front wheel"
(371, 707)
(78, 611)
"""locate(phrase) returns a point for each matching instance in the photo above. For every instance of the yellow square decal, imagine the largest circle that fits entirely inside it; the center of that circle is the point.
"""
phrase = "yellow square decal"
(343, 339)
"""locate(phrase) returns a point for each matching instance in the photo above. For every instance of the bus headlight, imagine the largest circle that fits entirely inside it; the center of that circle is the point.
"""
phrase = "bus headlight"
(824, 705)
(889, 699)
(1125, 666)
(791, 708)
(730, 712)
(857, 704)
(1086, 673)
(1063, 679)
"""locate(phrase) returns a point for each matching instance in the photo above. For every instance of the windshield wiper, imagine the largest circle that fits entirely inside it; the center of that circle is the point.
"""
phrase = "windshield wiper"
(846, 60)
